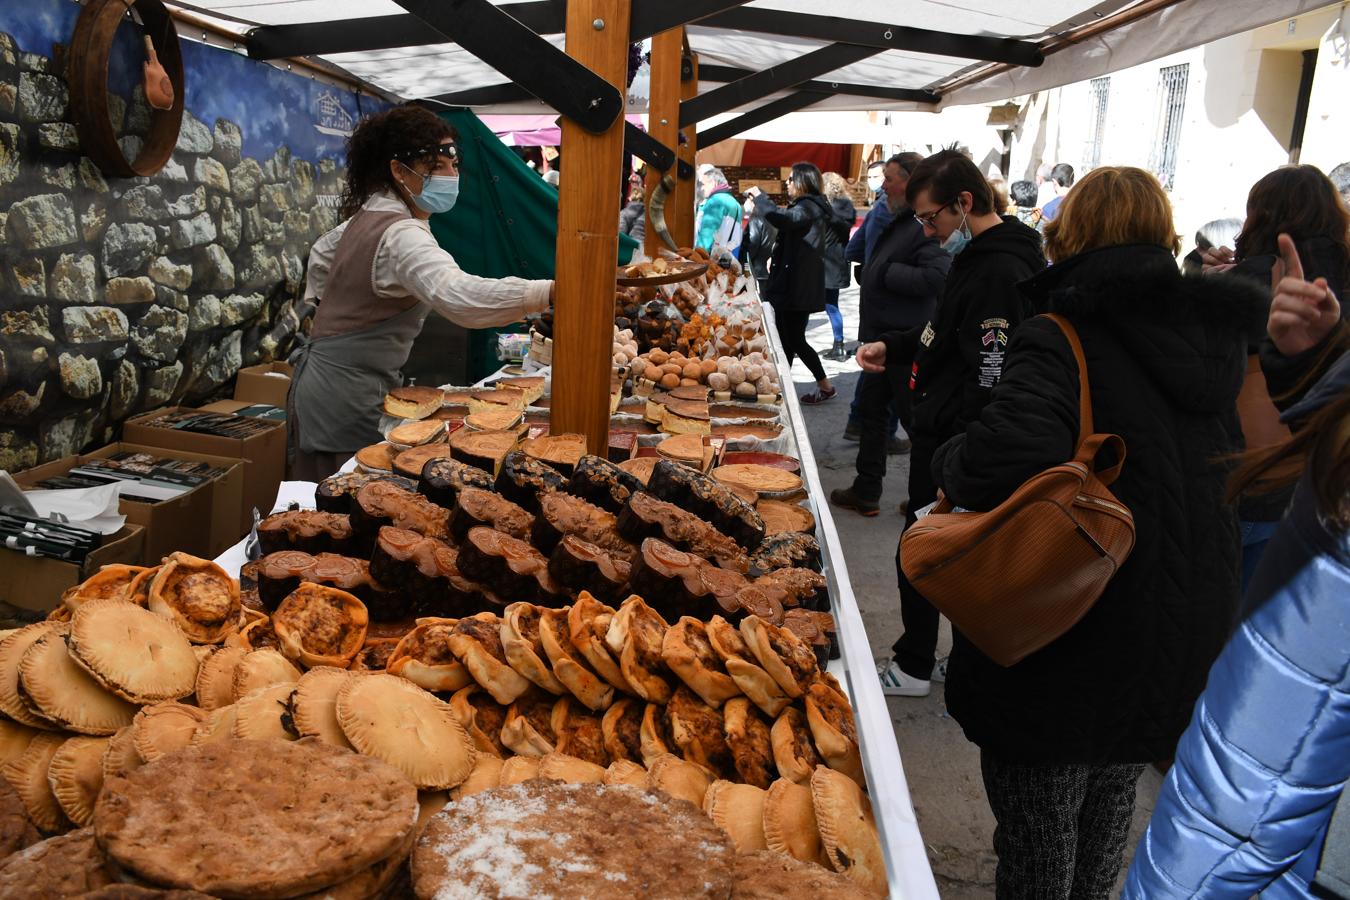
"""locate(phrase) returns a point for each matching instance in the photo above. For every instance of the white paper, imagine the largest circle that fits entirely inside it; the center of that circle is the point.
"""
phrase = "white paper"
(301, 492)
(94, 508)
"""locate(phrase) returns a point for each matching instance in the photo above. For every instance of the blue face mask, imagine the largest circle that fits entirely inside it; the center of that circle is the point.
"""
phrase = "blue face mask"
(958, 239)
(439, 192)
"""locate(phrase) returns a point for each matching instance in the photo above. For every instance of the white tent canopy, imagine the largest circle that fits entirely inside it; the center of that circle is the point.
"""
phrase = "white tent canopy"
(1079, 38)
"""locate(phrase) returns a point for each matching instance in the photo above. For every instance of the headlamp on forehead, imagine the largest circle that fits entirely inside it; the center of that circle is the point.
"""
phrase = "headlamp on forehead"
(449, 151)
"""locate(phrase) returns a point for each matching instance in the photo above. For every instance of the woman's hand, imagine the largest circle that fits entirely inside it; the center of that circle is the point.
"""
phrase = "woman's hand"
(872, 356)
(752, 192)
(1302, 312)
(1216, 260)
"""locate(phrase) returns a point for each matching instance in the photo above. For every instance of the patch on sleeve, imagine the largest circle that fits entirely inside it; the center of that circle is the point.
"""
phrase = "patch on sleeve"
(993, 342)
(928, 334)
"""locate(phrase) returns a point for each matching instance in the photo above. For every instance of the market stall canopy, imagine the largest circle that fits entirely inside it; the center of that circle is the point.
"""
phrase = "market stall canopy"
(825, 54)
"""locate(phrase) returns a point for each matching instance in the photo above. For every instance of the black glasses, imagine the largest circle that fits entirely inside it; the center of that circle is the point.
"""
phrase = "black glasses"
(928, 220)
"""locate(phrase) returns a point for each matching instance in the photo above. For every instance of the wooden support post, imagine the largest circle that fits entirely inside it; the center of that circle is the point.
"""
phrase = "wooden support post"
(682, 225)
(663, 119)
(588, 234)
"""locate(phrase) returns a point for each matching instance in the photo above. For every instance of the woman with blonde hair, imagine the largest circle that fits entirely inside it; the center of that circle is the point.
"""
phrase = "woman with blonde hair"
(1065, 733)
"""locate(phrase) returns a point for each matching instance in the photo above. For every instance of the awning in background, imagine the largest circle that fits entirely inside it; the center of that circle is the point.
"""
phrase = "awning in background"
(534, 131)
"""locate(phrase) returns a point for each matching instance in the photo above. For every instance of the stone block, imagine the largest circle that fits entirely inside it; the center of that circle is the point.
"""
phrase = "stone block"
(26, 325)
(145, 203)
(34, 62)
(278, 168)
(297, 224)
(43, 221)
(229, 224)
(93, 218)
(160, 385)
(80, 376)
(246, 179)
(193, 137)
(174, 172)
(302, 182)
(257, 269)
(66, 435)
(19, 405)
(325, 219)
(214, 271)
(126, 247)
(91, 177)
(42, 98)
(274, 233)
(58, 136)
(229, 142)
(212, 174)
(166, 296)
(224, 362)
(237, 309)
(138, 114)
(252, 222)
(74, 279)
(28, 277)
(17, 451)
(159, 333)
(9, 99)
(204, 313)
(62, 178)
(195, 232)
(189, 204)
(129, 291)
(10, 152)
(164, 271)
(93, 324)
(126, 386)
(274, 200)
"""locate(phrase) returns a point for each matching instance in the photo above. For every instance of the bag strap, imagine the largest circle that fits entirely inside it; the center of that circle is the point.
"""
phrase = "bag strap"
(1085, 425)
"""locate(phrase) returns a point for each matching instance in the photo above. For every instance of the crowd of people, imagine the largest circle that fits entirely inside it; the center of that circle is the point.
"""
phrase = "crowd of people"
(1218, 651)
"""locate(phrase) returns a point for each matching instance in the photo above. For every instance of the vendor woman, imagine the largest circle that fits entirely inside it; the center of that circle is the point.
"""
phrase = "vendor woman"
(376, 277)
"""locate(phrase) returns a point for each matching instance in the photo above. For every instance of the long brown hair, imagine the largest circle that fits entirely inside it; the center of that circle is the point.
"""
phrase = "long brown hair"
(1298, 201)
(1322, 443)
(1110, 206)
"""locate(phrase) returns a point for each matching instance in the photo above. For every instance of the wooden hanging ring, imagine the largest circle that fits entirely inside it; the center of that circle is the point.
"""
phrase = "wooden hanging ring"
(90, 48)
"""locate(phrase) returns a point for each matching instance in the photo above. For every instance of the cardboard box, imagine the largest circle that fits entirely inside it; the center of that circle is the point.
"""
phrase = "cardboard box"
(36, 582)
(265, 383)
(264, 452)
(203, 521)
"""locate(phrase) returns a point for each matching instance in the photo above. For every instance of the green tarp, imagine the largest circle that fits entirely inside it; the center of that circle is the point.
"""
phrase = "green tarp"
(504, 223)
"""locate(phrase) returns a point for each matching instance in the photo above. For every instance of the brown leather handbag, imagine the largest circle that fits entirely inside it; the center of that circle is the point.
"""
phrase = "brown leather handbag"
(1017, 577)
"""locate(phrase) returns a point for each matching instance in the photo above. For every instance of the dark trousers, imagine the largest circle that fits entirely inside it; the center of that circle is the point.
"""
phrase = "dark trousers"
(792, 332)
(878, 395)
(1061, 829)
(916, 651)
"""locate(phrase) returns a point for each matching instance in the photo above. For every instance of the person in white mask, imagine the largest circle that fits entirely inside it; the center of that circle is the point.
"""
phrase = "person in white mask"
(375, 278)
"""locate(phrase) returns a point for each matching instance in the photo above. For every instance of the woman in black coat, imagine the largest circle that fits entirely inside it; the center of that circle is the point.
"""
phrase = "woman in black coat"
(1065, 733)
(797, 272)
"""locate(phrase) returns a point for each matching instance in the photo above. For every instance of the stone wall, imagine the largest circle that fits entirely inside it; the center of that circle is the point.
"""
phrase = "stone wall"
(122, 295)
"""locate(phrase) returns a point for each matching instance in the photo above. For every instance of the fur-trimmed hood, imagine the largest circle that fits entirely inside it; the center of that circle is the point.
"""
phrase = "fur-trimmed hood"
(1189, 332)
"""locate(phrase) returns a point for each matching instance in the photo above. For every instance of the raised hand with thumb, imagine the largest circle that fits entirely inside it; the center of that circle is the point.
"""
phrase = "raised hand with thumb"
(1302, 312)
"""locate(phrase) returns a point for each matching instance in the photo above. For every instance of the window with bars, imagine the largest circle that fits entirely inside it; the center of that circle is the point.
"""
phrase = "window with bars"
(1172, 82)
(1099, 91)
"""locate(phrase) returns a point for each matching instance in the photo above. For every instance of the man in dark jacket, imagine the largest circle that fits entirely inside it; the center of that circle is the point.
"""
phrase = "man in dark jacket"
(899, 291)
(954, 360)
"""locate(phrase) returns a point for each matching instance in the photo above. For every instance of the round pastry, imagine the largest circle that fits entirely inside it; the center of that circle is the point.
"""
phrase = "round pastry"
(637, 633)
(848, 831)
(198, 596)
(749, 433)
(769, 875)
(312, 706)
(588, 623)
(133, 652)
(341, 812)
(476, 641)
(164, 728)
(830, 718)
(570, 769)
(684, 448)
(120, 754)
(748, 736)
(786, 657)
(621, 729)
(524, 648)
(374, 655)
(218, 726)
(377, 457)
(70, 865)
(518, 769)
(625, 771)
(549, 828)
(794, 752)
(75, 776)
(737, 809)
(391, 719)
(780, 517)
(14, 739)
(486, 775)
(579, 733)
(417, 432)
(12, 648)
(744, 669)
(678, 778)
(319, 625)
(261, 714)
(769, 482)
(569, 667)
(528, 727)
(28, 776)
(65, 693)
(790, 821)
(410, 462)
(259, 669)
(690, 655)
(215, 677)
(423, 656)
(483, 717)
(113, 581)
(699, 732)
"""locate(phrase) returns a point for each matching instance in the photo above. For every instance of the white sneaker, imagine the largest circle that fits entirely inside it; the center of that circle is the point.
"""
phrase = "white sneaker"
(895, 683)
(940, 670)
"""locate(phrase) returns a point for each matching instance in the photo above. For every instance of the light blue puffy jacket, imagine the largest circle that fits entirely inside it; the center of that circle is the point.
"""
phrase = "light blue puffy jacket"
(1245, 807)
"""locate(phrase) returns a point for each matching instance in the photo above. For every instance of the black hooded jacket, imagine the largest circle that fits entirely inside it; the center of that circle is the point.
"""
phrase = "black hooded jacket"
(1166, 356)
(804, 258)
(902, 279)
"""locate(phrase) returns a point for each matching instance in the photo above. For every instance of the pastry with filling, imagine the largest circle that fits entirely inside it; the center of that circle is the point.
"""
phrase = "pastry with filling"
(636, 634)
(737, 809)
(483, 717)
(647, 517)
(528, 727)
(531, 387)
(804, 587)
(120, 755)
(14, 739)
(307, 530)
(13, 703)
(409, 463)
(443, 479)
(794, 751)
(816, 629)
(690, 449)
(508, 567)
(621, 729)
(321, 626)
(763, 601)
(678, 778)
(425, 573)
(381, 504)
(848, 830)
(563, 514)
(599, 481)
(524, 648)
(255, 634)
(396, 721)
(424, 657)
(27, 775)
(475, 508)
(784, 551)
(519, 769)
(495, 401)
(353, 576)
(569, 666)
(416, 433)
(579, 565)
(790, 822)
(259, 669)
(483, 449)
(685, 417)
(495, 420)
(830, 718)
(782, 654)
(570, 769)
(654, 735)
(76, 776)
(699, 732)
(748, 736)
(277, 574)
(413, 402)
(337, 493)
(312, 707)
(476, 641)
(109, 581)
(136, 654)
(690, 655)
(374, 654)
(747, 435)
(65, 693)
(559, 451)
(579, 732)
(198, 596)
(165, 728)
(377, 459)
(708, 499)
(677, 583)
(625, 771)
(588, 623)
(522, 479)
(769, 875)
(744, 668)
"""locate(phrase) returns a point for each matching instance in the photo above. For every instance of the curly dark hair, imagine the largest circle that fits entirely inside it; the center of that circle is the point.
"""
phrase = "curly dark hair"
(1298, 201)
(394, 133)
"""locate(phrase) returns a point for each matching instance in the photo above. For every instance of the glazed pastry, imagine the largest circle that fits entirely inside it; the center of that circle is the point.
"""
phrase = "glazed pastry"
(677, 583)
(443, 479)
(588, 623)
(636, 633)
(495, 420)
(321, 626)
(816, 629)
(786, 550)
(508, 567)
(528, 727)
(483, 449)
(475, 508)
(794, 752)
(413, 402)
(699, 731)
(476, 642)
(198, 596)
(830, 718)
(382, 503)
(425, 572)
(804, 587)
(562, 514)
(689, 654)
(307, 530)
(424, 657)
(621, 729)
(782, 654)
(523, 478)
(599, 481)
(647, 517)
(748, 737)
(578, 565)
(377, 459)
(416, 433)
(336, 493)
(409, 463)
(782, 517)
(524, 648)
(560, 451)
(569, 666)
(744, 668)
(770, 482)
(708, 499)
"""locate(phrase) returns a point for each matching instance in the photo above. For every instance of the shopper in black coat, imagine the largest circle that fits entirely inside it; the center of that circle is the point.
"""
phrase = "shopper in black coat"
(1064, 733)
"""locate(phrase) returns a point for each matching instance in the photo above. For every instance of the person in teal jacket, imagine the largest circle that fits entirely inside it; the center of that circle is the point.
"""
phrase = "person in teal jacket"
(719, 219)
